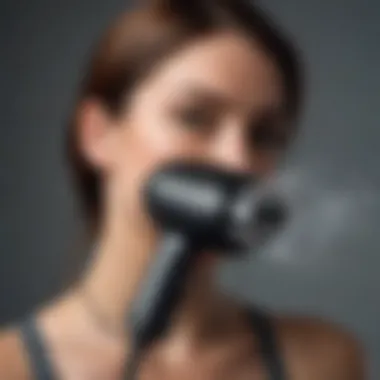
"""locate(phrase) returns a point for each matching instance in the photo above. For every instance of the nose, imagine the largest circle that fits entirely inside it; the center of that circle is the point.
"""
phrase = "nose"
(229, 150)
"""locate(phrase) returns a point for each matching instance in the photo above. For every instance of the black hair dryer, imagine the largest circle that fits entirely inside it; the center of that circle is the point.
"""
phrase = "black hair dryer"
(199, 208)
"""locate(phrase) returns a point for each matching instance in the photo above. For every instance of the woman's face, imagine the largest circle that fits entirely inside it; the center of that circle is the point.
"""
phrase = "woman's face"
(219, 100)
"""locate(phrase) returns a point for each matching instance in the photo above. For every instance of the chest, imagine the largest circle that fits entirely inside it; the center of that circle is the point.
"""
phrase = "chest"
(227, 364)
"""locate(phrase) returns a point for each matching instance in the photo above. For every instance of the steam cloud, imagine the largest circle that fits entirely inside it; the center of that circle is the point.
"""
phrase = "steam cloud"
(327, 216)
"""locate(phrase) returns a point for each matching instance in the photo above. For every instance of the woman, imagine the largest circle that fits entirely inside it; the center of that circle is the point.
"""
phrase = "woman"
(209, 80)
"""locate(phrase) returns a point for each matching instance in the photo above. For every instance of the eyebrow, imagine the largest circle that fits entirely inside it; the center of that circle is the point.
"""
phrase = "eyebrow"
(210, 95)
(218, 99)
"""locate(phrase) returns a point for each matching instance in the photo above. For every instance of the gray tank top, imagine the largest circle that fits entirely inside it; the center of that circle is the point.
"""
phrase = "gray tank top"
(261, 324)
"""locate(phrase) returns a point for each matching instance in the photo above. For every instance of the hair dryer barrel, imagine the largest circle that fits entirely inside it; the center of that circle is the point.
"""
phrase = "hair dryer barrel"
(222, 210)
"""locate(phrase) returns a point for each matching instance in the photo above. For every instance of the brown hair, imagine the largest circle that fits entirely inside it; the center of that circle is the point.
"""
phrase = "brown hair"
(140, 39)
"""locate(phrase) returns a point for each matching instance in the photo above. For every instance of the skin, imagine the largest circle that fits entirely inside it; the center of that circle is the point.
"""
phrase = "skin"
(206, 102)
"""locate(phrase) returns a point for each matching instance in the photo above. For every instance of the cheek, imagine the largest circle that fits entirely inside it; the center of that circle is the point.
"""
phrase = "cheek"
(264, 164)
(144, 146)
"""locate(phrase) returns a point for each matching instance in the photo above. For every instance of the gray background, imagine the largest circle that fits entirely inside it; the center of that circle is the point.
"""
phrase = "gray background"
(326, 263)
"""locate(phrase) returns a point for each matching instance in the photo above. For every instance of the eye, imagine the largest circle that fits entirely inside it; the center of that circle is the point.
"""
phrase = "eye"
(268, 135)
(197, 118)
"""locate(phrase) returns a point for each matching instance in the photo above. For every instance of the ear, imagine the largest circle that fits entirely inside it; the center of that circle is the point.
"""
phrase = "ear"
(95, 129)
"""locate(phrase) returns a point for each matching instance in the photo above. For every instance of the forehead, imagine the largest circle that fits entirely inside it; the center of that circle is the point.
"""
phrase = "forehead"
(226, 63)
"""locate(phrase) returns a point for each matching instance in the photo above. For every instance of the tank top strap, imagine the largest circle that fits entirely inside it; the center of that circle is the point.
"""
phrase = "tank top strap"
(264, 329)
(36, 350)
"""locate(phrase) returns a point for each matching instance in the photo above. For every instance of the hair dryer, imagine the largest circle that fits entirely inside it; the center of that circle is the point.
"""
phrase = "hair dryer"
(198, 208)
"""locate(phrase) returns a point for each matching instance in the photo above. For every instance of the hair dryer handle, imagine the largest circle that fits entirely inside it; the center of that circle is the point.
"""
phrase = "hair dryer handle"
(159, 295)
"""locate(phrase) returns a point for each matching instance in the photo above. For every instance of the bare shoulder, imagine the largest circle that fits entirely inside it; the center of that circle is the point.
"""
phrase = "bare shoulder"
(318, 350)
(13, 362)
